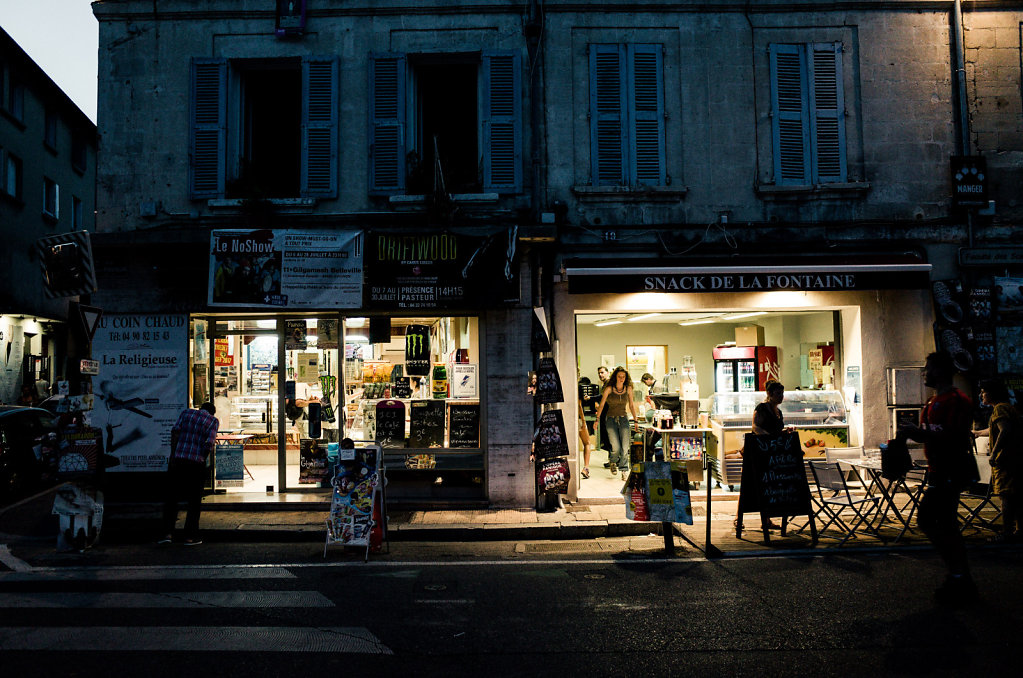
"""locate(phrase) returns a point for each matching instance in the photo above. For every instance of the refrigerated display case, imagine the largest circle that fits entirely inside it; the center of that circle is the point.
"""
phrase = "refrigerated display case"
(819, 417)
(742, 369)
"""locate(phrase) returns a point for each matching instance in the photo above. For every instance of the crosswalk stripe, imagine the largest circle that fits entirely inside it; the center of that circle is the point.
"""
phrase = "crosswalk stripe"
(135, 574)
(351, 639)
(194, 599)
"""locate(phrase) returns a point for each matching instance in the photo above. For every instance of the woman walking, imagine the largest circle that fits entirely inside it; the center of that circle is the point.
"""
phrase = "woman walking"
(617, 396)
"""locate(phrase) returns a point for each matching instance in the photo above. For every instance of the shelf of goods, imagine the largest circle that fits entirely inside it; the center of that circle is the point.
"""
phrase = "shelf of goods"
(680, 444)
(818, 417)
(252, 414)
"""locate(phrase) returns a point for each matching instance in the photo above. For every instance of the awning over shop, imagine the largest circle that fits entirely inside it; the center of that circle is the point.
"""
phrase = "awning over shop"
(814, 274)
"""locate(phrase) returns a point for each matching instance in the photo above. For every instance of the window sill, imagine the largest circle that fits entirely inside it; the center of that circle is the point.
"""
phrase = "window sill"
(284, 205)
(853, 189)
(629, 193)
(415, 201)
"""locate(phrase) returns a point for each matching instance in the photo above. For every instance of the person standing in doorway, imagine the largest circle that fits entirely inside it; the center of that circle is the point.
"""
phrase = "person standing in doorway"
(944, 429)
(603, 375)
(1005, 431)
(617, 396)
(192, 441)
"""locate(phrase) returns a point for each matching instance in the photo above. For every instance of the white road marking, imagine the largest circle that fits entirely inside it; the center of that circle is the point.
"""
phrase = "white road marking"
(192, 639)
(193, 599)
(9, 559)
(461, 601)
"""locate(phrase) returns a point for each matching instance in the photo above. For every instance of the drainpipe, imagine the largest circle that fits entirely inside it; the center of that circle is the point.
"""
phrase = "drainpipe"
(534, 37)
(959, 78)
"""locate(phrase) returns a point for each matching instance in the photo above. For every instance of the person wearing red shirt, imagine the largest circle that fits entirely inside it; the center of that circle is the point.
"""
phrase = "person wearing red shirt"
(944, 429)
(192, 440)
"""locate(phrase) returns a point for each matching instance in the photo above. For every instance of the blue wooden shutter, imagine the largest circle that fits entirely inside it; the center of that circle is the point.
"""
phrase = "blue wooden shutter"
(827, 106)
(789, 121)
(207, 137)
(646, 115)
(319, 127)
(501, 121)
(607, 114)
(387, 124)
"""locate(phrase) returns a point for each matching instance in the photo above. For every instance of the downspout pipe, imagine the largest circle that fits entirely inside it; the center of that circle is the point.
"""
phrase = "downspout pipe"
(959, 78)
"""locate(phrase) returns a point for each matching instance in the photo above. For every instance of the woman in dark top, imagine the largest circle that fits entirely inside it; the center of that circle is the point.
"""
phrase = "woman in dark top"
(767, 417)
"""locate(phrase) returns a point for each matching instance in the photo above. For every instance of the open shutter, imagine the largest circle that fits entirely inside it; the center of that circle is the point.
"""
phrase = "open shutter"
(501, 119)
(646, 114)
(789, 121)
(827, 106)
(207, 137)
(607, 114)
(387, 124)
(319, 127)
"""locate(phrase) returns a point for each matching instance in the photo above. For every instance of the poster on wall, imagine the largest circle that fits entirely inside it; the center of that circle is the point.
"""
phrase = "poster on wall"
(1010, 349)
(222, 353)
(12, 356)
(1008, 297)
(230, 468)
(286, 269)
(326, 333)
(441, 270)
(463, 380)
(142, 386)
(307, 368)
(549, 438)
(548, 383)
(294, 335)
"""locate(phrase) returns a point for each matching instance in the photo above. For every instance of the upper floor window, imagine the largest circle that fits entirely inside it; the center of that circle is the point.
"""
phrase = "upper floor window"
(77, 213)
(16, 99)
(627, 115)
(264, 128)
(10, 174)
(51, 198)
(451, 120)
(50, 130)
(79, 153)
(808, 113)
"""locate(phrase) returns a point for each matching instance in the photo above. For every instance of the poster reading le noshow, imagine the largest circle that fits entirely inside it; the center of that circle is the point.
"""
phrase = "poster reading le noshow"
(286, 269)
(141, 387)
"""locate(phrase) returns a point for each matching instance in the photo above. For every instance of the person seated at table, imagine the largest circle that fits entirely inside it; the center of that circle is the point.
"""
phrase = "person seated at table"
(1005, 429)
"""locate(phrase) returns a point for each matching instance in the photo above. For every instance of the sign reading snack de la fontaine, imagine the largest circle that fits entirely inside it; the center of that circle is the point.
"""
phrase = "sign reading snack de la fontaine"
(827, 278)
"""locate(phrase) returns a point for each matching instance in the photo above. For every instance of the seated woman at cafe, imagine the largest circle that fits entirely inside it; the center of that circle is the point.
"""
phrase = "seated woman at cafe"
(1005, 428)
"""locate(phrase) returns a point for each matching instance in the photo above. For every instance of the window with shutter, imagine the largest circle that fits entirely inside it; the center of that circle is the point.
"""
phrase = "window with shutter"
(627, 115)
(207, 139)
(387, 124)
(501, 122)
(319, 127)
(807, 107)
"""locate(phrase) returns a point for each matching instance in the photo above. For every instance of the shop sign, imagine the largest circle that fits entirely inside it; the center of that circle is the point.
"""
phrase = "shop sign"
(969, 181)
(440, 270)
(88, 367)
(801, 280)
(1006, 255)
(286, 269)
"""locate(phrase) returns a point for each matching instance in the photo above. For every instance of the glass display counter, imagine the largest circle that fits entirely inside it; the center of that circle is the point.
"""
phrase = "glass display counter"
(819, 417)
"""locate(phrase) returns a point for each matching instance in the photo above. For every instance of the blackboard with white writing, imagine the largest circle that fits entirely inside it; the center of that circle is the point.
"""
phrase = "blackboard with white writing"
(773, 477)
(426, 423)
(390, 416)
(464, 425)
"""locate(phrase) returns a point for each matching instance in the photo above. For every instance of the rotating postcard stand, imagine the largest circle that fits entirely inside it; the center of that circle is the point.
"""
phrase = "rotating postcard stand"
(357, 500)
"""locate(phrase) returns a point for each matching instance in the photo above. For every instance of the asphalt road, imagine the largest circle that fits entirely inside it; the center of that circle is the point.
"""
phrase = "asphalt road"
(500, 609)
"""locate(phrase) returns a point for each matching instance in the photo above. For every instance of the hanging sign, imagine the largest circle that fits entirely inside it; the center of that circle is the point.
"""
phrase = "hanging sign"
(541, 342)
(417, 350)
(969, 181)
(550, 439)
(548, 383)
(552, 474)
(313, 467)
(286, 269)
(222, 353)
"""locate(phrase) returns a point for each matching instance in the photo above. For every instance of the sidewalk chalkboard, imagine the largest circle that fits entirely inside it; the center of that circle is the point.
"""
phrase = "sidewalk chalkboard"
(774, 479)
(464, 425)
(390, 415)
(426, 423)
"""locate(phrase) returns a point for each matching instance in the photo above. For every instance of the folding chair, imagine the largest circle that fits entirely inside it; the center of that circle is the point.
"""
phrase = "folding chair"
(814, 502)
(986, 498)
(833, 454)
(828, 476)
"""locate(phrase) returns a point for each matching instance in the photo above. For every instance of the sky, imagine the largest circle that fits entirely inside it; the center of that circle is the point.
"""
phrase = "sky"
(62, 36)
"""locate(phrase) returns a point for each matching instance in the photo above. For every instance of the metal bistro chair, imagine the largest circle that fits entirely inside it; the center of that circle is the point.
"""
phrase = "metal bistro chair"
(972, 518)
(829, 477)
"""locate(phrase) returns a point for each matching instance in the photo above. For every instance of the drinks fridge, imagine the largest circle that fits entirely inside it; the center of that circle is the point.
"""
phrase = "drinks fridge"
(744, 368)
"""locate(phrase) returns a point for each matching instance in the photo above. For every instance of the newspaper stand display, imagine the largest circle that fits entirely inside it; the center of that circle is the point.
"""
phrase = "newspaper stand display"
(357, 500)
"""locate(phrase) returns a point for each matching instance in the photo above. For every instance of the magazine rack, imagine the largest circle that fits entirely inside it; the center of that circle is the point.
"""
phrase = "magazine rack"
(357, 500)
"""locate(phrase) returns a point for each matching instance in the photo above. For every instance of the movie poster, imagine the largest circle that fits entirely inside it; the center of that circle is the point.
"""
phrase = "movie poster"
(286, 269)
(142, 386)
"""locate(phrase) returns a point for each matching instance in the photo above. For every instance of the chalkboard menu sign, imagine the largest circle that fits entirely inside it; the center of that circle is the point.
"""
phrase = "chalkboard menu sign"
(417, 351)
(549, 439)
(401, 389)
(390, 416)
(773, 477)
(426, 423)
(548, 383)
(463, 425)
